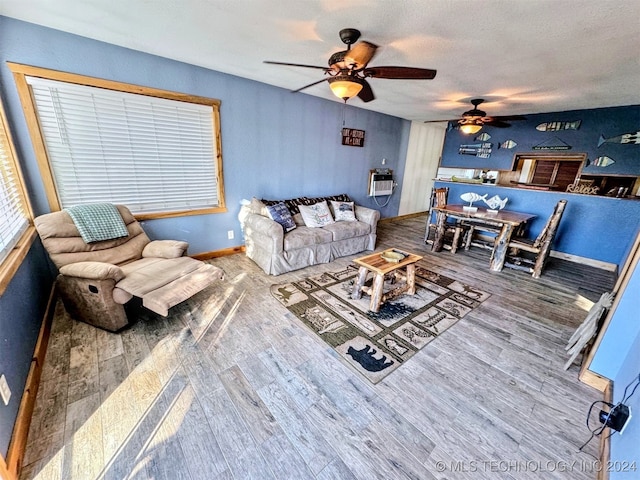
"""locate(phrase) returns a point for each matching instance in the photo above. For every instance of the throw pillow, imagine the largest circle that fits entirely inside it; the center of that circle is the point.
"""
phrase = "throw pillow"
(280, 213)
(317, 215)
(343, 211)
(257, 207)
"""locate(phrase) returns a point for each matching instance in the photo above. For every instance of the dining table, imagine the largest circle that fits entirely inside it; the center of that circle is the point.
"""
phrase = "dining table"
(506, 222)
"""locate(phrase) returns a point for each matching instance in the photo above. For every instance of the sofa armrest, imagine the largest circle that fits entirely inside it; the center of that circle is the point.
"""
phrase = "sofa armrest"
(368, 215)
(165, 249)
(263, 233)
(93, 271)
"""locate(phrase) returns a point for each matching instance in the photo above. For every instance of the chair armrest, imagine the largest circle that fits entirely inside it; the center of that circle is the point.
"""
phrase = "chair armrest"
(93, 271)
(367, 215)
(165, 249)
(263, 233)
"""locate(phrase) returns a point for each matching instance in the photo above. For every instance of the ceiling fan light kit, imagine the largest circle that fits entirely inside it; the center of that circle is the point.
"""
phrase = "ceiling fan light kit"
(347, 71)
(473, 120)
(470, 128)
(345, 86)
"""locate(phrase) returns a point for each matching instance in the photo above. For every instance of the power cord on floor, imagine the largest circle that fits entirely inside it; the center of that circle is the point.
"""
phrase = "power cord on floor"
(612, 408)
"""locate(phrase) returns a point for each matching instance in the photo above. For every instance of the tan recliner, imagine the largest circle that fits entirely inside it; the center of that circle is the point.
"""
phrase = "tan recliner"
(96, 280)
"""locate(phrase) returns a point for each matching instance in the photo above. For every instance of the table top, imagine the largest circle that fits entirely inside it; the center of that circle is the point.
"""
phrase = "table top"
(499, 217)
(377, 264)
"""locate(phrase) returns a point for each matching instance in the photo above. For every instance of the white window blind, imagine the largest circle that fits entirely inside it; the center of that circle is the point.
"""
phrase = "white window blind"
(151, 154)
(13, 217)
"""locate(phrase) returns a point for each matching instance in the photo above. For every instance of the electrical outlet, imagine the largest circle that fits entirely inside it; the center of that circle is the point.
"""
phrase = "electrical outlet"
(230, 235)
(5, 391)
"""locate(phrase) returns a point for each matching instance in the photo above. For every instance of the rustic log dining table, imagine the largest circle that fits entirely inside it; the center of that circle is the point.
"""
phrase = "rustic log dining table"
(506, 221)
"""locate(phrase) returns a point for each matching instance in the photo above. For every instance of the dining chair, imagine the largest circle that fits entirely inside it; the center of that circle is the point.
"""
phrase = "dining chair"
(454, 231)
(540, 247)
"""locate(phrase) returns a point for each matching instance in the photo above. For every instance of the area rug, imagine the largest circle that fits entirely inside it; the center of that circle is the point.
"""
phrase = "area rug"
(376, 344)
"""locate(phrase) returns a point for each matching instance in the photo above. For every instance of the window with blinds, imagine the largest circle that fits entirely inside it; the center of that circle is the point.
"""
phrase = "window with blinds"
(154, 154)
(14, 219)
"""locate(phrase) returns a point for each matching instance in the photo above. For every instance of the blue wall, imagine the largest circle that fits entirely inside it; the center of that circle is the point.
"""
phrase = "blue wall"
(22, 307)
(599, 228)
(275, 144)
(618, 359)
(609, 122)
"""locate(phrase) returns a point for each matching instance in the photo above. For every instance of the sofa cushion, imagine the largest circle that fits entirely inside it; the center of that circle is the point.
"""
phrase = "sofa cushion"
(299, 221)
(342, 230)
(317, 215)
(305, 237)
(343, 197)
(280, 213)
(256, 206)
(343, 211)
(292, 203)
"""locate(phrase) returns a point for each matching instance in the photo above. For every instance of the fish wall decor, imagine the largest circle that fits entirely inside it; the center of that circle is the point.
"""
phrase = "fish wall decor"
(482, 150)
(603, 161)
(626, 138)
(507, 144)
(483, 137)
(557, 126)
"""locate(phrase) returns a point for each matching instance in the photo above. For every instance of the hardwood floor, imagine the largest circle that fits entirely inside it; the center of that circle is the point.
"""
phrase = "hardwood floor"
(232, 386)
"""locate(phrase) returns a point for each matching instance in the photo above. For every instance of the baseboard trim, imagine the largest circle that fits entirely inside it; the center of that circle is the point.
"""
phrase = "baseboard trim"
(18, 444)
(219, 253)
(402, 217)
(609, 267)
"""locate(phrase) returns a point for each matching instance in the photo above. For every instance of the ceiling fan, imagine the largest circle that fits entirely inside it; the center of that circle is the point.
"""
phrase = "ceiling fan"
(473, 120)
(348, 72)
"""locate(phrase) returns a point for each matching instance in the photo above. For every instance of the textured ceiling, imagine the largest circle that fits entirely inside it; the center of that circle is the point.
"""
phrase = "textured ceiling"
(523, 56)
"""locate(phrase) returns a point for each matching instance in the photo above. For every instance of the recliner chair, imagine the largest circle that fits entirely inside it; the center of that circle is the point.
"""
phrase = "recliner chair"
(97, 279)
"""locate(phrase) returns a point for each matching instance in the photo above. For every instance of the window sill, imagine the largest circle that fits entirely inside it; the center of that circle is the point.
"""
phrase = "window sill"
(11, 264)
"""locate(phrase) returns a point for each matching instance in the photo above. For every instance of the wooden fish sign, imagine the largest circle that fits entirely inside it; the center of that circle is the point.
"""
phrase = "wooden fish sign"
(632, 138)
(557, 126)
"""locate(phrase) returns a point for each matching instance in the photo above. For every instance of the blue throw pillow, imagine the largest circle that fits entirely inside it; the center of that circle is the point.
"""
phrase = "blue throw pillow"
(280, 213)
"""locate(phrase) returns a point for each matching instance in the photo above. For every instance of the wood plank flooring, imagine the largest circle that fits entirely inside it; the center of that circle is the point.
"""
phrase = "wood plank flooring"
(232, 386)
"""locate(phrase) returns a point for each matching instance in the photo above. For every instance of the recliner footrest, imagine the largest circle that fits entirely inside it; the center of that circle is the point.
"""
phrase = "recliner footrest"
(180, 289)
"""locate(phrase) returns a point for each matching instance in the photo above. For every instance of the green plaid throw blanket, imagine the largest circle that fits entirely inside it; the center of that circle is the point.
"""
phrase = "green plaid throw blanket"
(98, 221)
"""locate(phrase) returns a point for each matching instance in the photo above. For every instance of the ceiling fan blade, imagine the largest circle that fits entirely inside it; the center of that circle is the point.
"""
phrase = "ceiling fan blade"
(497, 123)
(360, 55)
(441, 121)
(296, 65)
(310, 85)
(509, 118)
(402, 73)
(366, 94)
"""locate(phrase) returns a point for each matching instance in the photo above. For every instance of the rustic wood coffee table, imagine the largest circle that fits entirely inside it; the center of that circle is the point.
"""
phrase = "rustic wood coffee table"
(380, 267)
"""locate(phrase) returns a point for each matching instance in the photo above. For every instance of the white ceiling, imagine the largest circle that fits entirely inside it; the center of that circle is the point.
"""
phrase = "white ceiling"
(526, 56)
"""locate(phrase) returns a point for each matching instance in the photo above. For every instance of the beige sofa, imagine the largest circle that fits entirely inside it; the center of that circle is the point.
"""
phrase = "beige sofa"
(97, 279)
(277, 251)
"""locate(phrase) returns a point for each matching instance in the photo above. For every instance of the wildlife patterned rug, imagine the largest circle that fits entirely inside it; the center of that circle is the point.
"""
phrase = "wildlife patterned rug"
(375, 344)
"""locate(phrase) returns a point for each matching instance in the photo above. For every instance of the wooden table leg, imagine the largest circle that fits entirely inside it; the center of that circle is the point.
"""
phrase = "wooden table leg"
(411, 279)
(357, 287)
(376, 294)
(438, 239)
(499, 252)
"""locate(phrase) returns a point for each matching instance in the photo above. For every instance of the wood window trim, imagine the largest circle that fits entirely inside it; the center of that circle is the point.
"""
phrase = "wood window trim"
(20, 72)
(12, 263)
